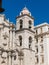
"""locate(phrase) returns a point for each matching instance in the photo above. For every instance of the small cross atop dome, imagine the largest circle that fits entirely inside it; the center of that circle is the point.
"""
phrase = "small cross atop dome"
(25, 11)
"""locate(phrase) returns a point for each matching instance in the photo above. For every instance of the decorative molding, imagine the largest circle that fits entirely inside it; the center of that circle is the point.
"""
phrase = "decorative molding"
(41, 26)
(42, 34)
(28, 49)
(25, 15)
(25, 29)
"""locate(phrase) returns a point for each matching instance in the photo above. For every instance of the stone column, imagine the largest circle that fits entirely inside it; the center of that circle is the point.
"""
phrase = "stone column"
(0, 36)
(13, 54)
(21, 60)
(9, 59)
(21, 55)
(0, 56)
(0, 45)
(11, 39)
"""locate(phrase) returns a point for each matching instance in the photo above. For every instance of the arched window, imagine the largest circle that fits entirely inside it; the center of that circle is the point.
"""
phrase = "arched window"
(36, 31)
(15, 57)
(41, 38)
(36, 59)
(20, 40)
(30, 41)
(30, 23)
(36, 49)
(41, 30)
(21, 24)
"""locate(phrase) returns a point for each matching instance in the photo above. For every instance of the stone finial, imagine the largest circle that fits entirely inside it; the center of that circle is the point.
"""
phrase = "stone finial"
(25, 11)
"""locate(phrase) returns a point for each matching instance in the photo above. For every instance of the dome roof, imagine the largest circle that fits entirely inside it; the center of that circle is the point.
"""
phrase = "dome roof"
(25, 11)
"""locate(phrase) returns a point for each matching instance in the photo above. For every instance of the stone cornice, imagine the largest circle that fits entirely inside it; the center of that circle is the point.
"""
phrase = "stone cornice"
(7, 25)
(41, 26)
(42, 34)
(25, 29)
(28, 49)
(25, 15)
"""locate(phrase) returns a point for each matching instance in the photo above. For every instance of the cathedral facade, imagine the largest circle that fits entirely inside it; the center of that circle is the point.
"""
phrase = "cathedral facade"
(23, 43)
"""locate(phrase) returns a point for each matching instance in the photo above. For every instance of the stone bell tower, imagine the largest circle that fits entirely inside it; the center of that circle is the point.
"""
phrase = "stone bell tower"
(25, 37)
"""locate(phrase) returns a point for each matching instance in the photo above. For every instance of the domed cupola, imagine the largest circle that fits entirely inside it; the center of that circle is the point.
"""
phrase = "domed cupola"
(25, 11)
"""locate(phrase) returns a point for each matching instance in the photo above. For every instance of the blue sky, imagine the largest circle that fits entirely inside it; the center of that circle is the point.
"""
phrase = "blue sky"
(38, 8)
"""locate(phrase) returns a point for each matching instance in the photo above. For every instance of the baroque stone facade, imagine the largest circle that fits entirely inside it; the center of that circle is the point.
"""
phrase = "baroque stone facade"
(23, 43)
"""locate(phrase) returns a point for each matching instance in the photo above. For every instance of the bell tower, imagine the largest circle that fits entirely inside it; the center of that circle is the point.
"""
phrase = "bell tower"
(25, 37)
(25, 20)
